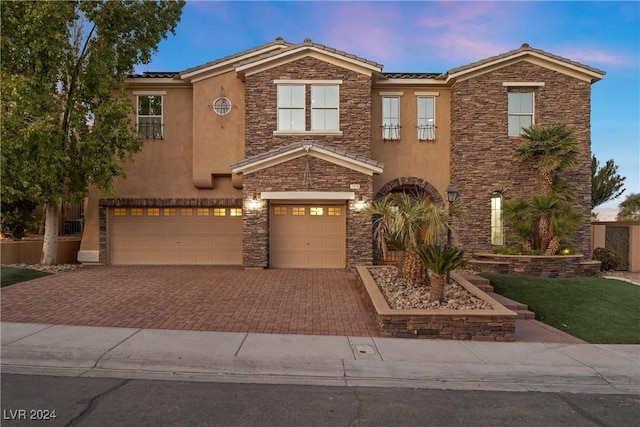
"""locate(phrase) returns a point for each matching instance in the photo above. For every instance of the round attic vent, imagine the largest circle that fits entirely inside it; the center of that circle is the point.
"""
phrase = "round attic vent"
(222, 106)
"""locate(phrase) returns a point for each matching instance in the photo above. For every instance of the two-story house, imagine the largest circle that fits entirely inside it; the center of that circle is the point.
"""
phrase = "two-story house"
(265, 158)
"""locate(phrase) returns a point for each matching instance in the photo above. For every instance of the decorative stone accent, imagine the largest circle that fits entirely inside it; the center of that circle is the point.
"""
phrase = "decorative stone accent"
(307, 173)
(289, 176)
(482, 153)
(477, 325)
(410, 180)
(531, 265)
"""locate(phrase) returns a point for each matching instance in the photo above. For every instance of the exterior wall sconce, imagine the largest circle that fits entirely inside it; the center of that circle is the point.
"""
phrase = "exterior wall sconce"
(254, 203)
(360, 204)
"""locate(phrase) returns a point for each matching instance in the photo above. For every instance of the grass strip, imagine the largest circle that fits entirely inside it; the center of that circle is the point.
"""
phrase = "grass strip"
(12, 275)
(597, 310)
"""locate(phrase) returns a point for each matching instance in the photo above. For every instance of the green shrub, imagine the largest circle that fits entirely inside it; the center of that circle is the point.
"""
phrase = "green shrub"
(16, 218)
(515, 250)
(610, 260)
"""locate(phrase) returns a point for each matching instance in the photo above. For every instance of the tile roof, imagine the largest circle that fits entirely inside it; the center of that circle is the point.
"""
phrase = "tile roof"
(411, 75)
(524, 48)
(277, 42)
(296, 145)
(155, 75)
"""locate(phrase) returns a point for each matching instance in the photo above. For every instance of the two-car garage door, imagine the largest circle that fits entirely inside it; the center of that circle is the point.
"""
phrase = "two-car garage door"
(181, 235)
(308, 236)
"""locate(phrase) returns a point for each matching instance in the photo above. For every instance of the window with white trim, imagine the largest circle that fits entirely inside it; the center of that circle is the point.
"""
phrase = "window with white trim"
(496, 219)
(149, 120)
(391, 117)
(291, 111)
(520, 110)
(426, 118)
(324, 107)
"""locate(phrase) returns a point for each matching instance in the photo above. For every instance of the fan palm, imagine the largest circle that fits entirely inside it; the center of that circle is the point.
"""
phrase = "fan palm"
(551, 148)
(404, 222)
(440, 260)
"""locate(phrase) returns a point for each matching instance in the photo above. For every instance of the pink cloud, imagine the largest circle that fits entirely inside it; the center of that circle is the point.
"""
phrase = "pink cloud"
(595, 56)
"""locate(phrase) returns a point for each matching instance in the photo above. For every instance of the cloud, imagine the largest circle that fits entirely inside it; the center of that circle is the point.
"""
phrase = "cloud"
(596, 56)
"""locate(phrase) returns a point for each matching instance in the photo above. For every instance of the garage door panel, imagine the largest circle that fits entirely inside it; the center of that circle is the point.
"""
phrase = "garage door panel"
(174, 238)
(306, 240)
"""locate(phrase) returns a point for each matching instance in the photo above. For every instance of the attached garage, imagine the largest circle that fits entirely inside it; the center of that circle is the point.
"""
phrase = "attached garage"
(180, 235)
(308, 235)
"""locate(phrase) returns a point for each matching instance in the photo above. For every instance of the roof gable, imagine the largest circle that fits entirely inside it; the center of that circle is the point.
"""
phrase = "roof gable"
(526, 53)
(227, 63)
(307, 48)
(293, 151)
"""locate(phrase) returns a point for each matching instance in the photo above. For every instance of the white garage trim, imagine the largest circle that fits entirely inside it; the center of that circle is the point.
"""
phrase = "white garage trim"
(308, 195)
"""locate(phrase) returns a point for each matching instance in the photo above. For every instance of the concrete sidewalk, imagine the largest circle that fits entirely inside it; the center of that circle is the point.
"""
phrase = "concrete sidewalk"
(29, 348)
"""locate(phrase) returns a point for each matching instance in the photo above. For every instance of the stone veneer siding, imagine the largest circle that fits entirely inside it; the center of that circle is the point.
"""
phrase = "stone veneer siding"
(104, 204)
(289, 176)
(482, 153)
(261, 122)
(523, 265)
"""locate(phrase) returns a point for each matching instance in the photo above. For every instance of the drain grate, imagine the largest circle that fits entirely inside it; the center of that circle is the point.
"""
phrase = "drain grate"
(365, 349)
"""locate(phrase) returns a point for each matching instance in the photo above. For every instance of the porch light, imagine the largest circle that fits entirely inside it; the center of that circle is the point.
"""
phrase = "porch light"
(360, 204)
(452, 193)
(254, 204)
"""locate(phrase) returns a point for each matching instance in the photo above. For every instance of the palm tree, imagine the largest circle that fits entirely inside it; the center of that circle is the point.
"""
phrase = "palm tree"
(544, 208)
(518, 214)
(404, 222)
(440, 260)
(551, 148)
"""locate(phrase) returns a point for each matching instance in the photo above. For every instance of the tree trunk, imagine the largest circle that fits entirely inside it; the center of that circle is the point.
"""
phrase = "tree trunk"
(544, 230)
(412, 268)
(554, 245)
(436, 290)
(50, 244)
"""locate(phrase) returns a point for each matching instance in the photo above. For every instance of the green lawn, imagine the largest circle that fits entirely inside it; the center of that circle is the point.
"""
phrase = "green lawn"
(599, 311)
(11, 275)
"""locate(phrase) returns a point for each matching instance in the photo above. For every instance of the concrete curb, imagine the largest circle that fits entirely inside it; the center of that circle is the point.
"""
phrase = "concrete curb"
(318, 360)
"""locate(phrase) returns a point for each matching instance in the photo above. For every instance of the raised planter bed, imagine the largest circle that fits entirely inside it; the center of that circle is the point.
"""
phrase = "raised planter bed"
(496, 324)
(534, 265)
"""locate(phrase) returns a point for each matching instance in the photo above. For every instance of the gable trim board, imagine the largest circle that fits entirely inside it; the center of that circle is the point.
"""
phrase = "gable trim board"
(321, 151)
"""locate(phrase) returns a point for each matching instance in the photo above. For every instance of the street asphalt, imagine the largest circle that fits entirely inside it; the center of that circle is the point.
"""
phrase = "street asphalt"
(130, 353)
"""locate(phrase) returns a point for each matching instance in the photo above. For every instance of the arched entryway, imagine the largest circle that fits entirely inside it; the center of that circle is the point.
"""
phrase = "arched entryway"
(410, 184)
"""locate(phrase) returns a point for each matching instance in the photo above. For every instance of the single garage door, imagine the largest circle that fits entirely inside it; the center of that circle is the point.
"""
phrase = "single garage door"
(308, 236)
(208, 236)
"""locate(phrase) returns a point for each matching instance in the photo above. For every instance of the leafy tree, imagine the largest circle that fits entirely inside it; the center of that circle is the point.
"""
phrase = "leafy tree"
(65, 118)
(606, 184)
(16, 218)
(629, 208)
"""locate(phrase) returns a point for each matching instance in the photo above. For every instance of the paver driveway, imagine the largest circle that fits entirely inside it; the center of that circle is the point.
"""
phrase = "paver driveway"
(201, 298)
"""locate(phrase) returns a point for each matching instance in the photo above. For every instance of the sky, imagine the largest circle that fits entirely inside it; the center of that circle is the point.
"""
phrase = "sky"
(436, 36)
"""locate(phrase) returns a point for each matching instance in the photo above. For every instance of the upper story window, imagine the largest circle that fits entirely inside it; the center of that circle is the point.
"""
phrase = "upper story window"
(520, 110)
(149, 119)
(323, 97)
(391, 117)
(496, 219)
(291, 107)
(324, 107)
(426, 118)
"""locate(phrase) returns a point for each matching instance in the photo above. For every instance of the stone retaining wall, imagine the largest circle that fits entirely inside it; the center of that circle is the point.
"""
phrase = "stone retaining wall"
(534, 265)
(476, 325)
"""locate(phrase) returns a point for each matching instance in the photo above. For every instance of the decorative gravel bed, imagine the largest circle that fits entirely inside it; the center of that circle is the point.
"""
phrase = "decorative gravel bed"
(401, 294)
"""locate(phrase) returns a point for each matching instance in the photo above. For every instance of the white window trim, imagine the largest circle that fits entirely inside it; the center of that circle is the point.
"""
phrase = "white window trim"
(161, 94)
(337, 109)
(382, 125)
(304, 107)
(426, 93)
(523, 84)
(418, 127)
(533, 112)
(497, 195)
(383, 94)
(305, 83)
